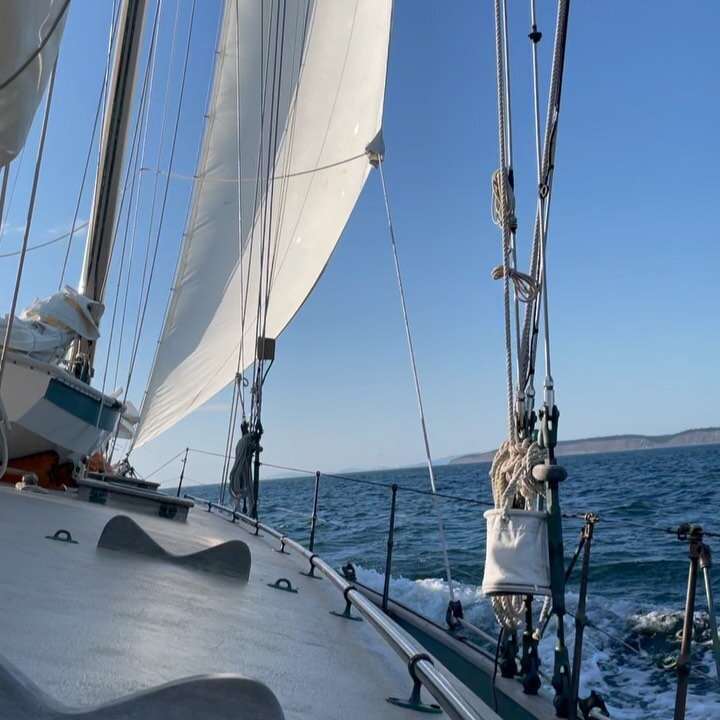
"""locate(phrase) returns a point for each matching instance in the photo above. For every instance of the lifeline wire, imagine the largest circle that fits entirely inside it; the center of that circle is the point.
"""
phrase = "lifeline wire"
(441, 528)
(471, 501)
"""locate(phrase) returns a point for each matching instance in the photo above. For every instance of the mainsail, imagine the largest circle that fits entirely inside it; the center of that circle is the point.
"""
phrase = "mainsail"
(315, 70)
(30, 34)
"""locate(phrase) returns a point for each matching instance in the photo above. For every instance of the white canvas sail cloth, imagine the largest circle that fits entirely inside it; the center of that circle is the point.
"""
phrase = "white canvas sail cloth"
(24, 25)
(46, 329)
(329, 102)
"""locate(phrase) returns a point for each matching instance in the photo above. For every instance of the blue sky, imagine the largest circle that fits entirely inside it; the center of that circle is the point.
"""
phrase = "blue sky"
(633, 238)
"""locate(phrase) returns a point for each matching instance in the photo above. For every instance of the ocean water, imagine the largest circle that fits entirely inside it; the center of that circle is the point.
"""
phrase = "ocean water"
(638, 575)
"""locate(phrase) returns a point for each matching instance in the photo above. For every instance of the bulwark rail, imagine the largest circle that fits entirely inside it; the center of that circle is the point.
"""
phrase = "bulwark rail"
(419, 662)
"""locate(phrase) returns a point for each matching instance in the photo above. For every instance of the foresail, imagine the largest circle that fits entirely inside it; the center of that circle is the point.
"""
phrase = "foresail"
(321, 65)
(24, 66)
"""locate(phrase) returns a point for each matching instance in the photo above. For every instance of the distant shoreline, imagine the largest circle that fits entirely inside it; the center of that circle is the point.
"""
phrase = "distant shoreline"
(616, 443)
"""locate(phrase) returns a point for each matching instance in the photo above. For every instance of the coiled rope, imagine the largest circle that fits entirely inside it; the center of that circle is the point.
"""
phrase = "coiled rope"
(511, 474)
(503, 215)
(513, 483)
(526, 288)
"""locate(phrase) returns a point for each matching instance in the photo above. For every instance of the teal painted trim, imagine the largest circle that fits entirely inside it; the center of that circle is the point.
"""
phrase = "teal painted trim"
(81, 405)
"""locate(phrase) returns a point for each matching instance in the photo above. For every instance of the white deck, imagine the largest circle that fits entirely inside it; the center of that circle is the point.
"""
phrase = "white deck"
(91, 625)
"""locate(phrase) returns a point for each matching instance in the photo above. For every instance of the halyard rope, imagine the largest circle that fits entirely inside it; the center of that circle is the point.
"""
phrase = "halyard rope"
(508, 609)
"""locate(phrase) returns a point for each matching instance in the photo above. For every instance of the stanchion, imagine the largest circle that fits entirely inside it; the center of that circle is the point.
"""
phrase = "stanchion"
(390, 543)
(313, 521)
(694, 536)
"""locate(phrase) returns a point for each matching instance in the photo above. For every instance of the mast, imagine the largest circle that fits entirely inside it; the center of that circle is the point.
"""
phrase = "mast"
(100, 237)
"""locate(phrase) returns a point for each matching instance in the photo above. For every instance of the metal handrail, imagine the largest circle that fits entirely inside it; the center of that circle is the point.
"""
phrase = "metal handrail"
(433, 679)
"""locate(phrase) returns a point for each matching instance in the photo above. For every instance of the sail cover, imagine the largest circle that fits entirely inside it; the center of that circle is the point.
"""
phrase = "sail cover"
(315, 70)
(24, 27)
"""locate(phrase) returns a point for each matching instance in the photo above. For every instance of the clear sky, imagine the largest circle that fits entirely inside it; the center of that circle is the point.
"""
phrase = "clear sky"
(633, 240)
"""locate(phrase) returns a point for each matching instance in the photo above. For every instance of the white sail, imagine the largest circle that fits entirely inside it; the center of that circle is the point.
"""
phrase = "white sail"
(24, 26)
(328, 81)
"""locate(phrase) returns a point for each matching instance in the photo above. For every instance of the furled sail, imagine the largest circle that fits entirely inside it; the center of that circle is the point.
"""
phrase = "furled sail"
(30, 34)
(315, 70)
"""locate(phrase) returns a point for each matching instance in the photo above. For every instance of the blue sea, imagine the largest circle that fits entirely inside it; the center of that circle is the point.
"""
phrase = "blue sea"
(638, 573)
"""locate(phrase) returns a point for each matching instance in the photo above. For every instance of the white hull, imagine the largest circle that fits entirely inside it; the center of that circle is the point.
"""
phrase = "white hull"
(50, 410)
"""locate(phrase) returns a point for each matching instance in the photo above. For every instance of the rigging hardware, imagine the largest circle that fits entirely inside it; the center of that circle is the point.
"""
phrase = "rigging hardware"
(346, 613)
(283, 584)
(63, 536)
(414, 702)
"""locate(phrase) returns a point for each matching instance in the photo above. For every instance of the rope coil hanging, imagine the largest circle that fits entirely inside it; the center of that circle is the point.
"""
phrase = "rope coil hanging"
(525, 286)
(511, 474)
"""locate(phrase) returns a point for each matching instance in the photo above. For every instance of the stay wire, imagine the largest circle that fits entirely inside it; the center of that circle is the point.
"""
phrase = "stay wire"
(526, 372)
(133, 162)
(143, 122)
(505, 227)
(238, 385)
(511, 177)
(150, 82)
(3, 193)
(99, 112)
(153, 204)
(164, 199)
(190, 214)
(418, 393)
(26, 236)
(256, 388)
(545, 178)
(4, 220)
(268, 209)
(241, 350)
(264, 75)
(289, 140)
